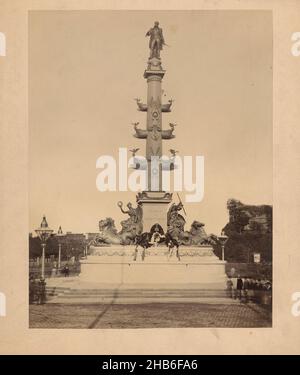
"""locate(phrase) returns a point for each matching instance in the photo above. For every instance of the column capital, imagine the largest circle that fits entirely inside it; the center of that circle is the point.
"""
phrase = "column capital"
(154, 68)
(154, 75)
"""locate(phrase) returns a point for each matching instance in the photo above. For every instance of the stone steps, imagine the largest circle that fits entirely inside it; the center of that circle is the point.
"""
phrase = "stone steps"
(130, 292)
(139, 300)
(140, 295)
(123, 296)
(110, 290)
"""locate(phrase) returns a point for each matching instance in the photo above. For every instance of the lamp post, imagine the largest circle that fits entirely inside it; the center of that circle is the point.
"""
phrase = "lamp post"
(223, 239)
(44, 233)
(86, 243)
(59, 235)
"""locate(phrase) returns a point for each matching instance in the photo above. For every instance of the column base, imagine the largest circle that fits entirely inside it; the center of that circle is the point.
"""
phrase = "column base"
(155, 208)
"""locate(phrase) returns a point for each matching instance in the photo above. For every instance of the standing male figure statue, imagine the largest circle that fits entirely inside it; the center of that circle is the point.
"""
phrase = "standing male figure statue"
(156, 40)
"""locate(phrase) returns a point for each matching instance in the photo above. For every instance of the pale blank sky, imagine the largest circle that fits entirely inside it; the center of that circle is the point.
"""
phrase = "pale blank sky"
(85, 68)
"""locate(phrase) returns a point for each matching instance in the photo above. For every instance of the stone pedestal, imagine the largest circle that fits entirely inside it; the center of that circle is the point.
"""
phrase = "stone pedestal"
(155, 208)
(115, 265)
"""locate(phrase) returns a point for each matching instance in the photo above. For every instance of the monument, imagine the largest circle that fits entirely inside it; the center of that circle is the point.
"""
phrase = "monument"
(155, 224)
(154, 201)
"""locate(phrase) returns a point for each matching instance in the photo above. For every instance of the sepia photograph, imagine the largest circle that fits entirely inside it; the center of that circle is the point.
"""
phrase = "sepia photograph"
(150, 169)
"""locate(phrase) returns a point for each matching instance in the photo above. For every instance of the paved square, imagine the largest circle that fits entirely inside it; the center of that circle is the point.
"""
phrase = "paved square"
(162, 315)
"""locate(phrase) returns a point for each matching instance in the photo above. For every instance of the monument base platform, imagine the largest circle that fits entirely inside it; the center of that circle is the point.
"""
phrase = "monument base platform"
(115, 265)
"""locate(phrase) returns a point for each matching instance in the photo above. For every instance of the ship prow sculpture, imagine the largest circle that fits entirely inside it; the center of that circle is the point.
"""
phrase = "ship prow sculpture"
(156, 225)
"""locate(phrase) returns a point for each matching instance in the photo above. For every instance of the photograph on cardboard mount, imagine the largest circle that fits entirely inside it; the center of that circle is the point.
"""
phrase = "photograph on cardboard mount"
(150, 169)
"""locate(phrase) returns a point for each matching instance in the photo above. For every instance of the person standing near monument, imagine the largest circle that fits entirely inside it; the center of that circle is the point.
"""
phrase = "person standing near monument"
(41, 291)
(229, 285)
(245, 289)
(239, 287)
(32, 289)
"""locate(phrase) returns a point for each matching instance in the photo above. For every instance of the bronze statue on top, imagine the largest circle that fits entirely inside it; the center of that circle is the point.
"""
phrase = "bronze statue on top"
(156, 40)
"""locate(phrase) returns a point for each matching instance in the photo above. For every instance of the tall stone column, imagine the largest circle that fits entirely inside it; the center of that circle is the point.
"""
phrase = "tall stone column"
(154, 75)
(154, 201)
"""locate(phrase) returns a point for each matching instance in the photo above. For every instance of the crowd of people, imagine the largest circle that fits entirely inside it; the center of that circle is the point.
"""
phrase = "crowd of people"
(250, 289)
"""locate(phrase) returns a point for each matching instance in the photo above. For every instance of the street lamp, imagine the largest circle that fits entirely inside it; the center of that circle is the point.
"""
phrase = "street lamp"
(223, 239)
(86, 242)
(59, 235)
(44, 233)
